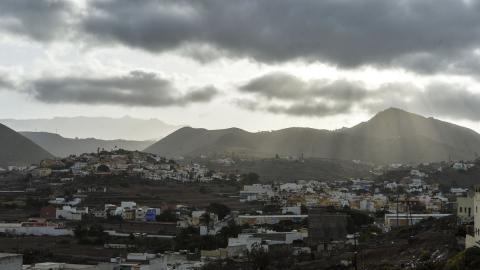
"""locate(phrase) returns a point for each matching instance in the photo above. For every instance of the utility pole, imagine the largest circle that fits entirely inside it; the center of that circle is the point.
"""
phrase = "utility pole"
(355, 260)
(397, 206)
(410, 204)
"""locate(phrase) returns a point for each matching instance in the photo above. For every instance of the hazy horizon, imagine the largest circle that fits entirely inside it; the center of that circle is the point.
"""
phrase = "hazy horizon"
(147, 132)
(105, 128)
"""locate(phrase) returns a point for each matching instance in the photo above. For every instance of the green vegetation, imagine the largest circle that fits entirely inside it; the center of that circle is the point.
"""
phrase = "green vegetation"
(259, 259)
(356, 220)
(249, 178)
(93, 234)
(219, 209)
(468, 259)
(167, 216)
(190, 239)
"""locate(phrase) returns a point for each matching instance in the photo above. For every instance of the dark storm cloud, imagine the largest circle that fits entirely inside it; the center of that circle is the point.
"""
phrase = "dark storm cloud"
(42, 20)
(317, 98)
(426, 36)
(138, 88)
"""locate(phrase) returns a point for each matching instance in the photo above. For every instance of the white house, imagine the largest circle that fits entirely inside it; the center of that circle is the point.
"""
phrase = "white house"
(256, 192)
(71, 213)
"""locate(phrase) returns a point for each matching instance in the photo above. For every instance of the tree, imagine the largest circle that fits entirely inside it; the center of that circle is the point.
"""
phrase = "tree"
(80, 232)
(103, 168)
(220, 265)
(232, 230)
(472, 258)
(219, 209)
(167, 216)
(94, 234)
(271, 208)
(206, 218)
(250, 178)
(259, 257)
(188, 239)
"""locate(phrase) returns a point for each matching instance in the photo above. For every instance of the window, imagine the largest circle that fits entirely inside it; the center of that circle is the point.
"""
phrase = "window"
(460, 209)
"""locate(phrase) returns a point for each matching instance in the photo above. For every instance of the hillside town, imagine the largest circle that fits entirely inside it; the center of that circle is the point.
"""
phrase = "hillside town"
(81, 200)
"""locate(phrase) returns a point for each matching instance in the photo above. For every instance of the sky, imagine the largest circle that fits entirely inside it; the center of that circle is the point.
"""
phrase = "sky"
(252, 64)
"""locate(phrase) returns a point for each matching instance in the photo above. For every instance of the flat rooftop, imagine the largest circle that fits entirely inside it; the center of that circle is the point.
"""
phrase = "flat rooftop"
(5, 255)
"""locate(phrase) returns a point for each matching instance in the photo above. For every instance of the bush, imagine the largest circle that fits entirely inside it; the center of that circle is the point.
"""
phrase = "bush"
(219, 209)
(167, 216)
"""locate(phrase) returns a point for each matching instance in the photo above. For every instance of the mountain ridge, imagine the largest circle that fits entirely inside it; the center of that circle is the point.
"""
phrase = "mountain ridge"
(392, 135)
(63, 147)
(105, 128)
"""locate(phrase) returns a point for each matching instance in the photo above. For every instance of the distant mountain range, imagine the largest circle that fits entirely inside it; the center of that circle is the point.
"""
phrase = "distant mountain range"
(63, 147)
(105, 128)
(391, 136)
(15, 149)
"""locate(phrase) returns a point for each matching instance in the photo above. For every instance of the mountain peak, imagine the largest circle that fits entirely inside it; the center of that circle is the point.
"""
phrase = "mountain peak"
(395, 111)
(394, 115)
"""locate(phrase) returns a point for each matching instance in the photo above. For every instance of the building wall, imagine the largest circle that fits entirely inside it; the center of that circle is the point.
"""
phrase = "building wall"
(11, 261)
(268, 219)
(68, 215)
(465, 208)
(15, 229)
(476, 206)
(405, 219)
(48, 212)
(326, 226)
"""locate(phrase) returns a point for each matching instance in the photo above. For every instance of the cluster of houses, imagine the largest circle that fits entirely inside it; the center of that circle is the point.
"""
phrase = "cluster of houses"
(137, 164)
(64, 210)
(412, 195)
(305, 204)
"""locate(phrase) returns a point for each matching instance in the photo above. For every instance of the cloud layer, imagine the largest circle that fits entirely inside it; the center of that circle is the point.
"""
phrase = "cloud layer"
(42, 20)
(283, 93)
(425, 36)
(432, 36)
(137, 88)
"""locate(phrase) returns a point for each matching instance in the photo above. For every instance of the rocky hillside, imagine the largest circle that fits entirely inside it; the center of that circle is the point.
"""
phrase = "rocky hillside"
(16, 149)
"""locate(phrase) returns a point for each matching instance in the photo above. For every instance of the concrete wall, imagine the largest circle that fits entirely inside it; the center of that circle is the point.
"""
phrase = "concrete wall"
(11, 261)
(465, 208)
(18, 230)
(476, 219)
(326, 226)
